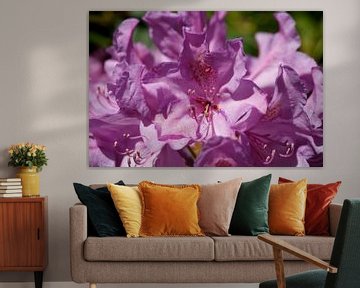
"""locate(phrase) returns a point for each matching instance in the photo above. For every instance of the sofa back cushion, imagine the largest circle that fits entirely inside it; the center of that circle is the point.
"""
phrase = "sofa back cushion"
(318, 200)
(287, 204)
(169, 210)
(250, 215)
(102, 215)
(127, 201)
(216, 206)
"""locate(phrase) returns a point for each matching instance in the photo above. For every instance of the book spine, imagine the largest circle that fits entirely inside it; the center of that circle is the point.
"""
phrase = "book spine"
(10, 183)
(10, 180)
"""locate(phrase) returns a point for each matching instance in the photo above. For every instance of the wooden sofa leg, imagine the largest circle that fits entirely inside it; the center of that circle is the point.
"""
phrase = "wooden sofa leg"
(92, 285)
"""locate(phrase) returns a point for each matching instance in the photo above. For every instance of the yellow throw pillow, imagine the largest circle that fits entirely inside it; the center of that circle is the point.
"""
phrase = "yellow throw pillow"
(287, 204)
(169, 210)
(127, 201)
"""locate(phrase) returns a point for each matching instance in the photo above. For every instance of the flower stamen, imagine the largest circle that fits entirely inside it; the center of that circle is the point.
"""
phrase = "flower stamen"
(266, 148)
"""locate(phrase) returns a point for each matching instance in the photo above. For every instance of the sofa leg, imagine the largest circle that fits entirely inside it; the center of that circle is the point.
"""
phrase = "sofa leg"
(92, 285)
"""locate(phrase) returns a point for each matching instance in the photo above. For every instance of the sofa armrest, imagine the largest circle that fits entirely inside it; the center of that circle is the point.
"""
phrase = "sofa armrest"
(78, 235)
(334, 216)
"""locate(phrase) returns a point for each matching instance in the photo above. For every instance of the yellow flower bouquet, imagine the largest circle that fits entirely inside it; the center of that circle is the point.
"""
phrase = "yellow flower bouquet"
(27, 155)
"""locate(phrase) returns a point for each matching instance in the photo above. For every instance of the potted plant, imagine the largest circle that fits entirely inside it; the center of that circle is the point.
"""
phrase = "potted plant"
(30, 158)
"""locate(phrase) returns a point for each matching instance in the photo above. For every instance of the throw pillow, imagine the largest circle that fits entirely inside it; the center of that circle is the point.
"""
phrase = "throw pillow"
(216, 206)
(250, 215)
(102, 215)
(287, 204)
(127, 201)
(169, 210)
(319, 197)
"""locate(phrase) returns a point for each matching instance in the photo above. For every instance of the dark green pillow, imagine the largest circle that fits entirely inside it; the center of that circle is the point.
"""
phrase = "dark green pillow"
(103, 218)
(250, 216)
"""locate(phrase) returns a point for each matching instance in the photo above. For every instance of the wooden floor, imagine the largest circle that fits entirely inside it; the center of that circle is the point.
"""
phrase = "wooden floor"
(74, 285)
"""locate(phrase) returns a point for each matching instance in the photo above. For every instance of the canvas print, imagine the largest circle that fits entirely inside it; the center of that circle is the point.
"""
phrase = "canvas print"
(205, 89)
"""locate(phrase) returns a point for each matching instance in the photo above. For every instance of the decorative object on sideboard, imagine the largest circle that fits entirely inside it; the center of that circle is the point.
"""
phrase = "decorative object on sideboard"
(10, 187)
(30, 158)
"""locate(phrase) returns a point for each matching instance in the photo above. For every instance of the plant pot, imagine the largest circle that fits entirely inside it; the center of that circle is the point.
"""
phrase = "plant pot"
(30, 181)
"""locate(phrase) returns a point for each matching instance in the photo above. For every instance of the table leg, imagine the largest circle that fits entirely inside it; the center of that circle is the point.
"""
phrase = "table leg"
(38, 279)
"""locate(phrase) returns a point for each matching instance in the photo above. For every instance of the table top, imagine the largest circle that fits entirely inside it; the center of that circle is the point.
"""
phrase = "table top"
(23, 199)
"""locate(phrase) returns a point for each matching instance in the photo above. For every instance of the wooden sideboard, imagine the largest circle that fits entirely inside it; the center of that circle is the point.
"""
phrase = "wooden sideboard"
(23, 235)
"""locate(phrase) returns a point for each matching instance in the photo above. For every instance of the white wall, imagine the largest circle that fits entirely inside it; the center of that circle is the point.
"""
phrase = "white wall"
(43, 84)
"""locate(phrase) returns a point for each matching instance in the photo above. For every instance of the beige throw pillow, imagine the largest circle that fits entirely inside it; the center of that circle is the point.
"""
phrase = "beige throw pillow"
(216, 205)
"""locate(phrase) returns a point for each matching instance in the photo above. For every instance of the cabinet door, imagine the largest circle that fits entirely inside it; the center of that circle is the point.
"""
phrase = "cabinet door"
(21, 233)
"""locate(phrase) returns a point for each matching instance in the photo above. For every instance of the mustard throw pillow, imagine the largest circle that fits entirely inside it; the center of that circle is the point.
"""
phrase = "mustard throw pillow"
(287, 204)
(169, 210)
(127, 201)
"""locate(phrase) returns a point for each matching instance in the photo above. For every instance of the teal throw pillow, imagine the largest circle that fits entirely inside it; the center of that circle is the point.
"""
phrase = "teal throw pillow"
(250, 216)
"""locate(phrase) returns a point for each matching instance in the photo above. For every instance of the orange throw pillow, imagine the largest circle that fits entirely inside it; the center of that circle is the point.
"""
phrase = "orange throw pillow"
(169, 210)
(287, 204)
(319, 197)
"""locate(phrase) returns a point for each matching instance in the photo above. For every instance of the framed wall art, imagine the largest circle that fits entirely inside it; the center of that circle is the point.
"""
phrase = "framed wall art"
(205, 89)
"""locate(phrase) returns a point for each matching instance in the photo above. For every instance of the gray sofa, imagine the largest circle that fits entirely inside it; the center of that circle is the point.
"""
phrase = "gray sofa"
(234, 259)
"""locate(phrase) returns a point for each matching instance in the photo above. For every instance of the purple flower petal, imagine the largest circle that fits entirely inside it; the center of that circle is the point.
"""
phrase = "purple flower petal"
(166, 29)
(289, 96)
(275, 144)
(210, 69)
(179, 128)
(128, 91)
(193, 20)
(224, 152)
(246, 106)
(314, 104)
(276, 139)
(123, 49)
(100, 102)
(216, 31)
(96, 157)
(169, 158)
(144, 55)
(115, 136)
(276, 49)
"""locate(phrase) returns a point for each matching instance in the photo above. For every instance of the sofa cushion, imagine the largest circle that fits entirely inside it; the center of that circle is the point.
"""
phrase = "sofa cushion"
(244, 248)
(169, 210)
(287, 204)
(318, 199)
(127, 201)
(102, 216)
(250, 216)
(149, 249)
(216, 206)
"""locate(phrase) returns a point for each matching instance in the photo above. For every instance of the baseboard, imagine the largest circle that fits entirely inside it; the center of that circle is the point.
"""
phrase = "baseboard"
(74, 285)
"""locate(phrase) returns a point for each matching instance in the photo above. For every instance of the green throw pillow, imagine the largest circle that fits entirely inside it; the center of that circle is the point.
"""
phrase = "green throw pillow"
(250, 216)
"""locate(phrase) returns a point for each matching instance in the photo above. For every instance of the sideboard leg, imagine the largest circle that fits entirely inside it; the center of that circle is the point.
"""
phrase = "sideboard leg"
(38, 279)
(92, 285)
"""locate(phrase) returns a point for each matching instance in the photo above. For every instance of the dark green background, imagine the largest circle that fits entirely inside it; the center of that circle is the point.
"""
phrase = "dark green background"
(239, 23)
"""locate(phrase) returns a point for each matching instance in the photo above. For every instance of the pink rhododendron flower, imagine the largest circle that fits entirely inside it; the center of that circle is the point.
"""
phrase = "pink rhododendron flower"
(196, 99)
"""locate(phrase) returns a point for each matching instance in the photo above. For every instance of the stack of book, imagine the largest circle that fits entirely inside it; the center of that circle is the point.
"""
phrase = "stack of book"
(10, 187)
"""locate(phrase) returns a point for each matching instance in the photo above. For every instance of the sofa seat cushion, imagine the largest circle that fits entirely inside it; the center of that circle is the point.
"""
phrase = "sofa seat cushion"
(149, 249)
(245, 248)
